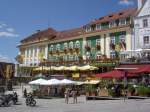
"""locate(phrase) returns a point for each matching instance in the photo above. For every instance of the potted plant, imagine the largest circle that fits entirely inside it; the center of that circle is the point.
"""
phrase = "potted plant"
(112, 46)
(65, 51)
(131, 90)
(87, 48)
(98, 47)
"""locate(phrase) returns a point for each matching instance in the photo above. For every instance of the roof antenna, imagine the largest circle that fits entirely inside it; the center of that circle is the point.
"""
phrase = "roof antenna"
(48, 24)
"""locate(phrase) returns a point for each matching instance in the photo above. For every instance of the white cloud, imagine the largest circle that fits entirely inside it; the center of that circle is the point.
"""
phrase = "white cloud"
(126, 2)
(8, 34)
(7, 31)
(5, 59)
(10, 29)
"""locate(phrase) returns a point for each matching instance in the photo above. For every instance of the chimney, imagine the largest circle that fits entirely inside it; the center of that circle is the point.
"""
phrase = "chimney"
(140, 4)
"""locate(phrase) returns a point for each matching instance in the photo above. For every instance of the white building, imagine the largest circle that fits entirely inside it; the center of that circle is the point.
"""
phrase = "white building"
(142, 27)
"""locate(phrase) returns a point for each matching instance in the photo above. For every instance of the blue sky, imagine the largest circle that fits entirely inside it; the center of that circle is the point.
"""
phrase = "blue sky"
(21, 18)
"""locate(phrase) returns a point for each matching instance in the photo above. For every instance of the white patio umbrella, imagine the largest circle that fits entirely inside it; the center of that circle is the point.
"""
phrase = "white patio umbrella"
(67, 82)
(51, 82)
(92, 82)
(37, 82)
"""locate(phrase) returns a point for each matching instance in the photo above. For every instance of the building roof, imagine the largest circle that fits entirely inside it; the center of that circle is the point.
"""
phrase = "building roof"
(51, 34)
(114, 16)
(69, 33)
(48, 33)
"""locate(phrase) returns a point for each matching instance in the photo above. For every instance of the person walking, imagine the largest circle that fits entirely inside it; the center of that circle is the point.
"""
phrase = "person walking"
(74, 95)
(66, 95)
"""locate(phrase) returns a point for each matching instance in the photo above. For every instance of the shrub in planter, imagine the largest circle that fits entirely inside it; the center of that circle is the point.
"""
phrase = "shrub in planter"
(111, 92)
(143, 91)
(131, 90)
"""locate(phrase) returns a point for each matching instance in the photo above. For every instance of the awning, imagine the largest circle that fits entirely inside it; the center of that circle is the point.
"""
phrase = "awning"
(140, 68)
(114, 74)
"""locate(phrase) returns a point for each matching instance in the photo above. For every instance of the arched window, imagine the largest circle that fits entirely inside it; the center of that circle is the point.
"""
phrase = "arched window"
(71, 44)
(77, 44)
(65, 46)
(88, 55)
(58, 47)
(98, 55)
(51, 48)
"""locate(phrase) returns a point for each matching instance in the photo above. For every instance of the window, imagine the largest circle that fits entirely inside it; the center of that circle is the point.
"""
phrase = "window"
(77, 44)
(112, 55)
(65, 57)
(88, 28)
(88, 55)
(112, 24)
(76, 57)
(98, 41)
(71, 45)
(112, 40)
(35, 53)
(145, 23)
(58, 47)
(146, 40)
(71, 57)
(89, 43)
(98, 55)
(65, 46)
(51, 48)
(98, 26)
(122, 21)
(27, 53)
(122, 38)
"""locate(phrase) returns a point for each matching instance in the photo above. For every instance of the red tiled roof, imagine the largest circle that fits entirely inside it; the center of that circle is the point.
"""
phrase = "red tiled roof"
(48, 33)
(69, 33)
(114, 16)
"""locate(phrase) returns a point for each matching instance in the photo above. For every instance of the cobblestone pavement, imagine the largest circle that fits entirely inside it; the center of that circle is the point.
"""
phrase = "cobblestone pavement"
(59, 105)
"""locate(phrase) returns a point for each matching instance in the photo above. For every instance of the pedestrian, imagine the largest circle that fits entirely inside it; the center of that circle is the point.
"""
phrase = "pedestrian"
(25, 92)
(66, 95)
(74, 95)
(98, 90)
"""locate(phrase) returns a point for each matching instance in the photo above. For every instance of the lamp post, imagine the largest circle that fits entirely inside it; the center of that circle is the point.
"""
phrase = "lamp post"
(125, 79)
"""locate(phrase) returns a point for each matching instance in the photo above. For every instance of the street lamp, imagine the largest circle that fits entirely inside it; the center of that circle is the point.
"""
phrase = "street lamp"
(125, 78)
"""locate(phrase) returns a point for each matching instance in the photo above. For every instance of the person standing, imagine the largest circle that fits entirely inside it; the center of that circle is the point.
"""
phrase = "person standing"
(25, 92)
(66, 95)
(74, 95)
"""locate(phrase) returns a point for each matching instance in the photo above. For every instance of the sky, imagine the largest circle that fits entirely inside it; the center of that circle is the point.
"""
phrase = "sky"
(21, 18)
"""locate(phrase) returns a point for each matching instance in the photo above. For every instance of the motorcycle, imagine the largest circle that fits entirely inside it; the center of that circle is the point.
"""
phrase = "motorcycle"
(14, 98)
(30, 101)
(6, 100)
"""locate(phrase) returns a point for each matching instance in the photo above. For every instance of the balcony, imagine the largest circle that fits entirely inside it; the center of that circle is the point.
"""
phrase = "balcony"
(80, 62)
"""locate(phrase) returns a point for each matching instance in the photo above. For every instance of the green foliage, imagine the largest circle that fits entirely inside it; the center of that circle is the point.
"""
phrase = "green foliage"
(143, 91)
(90, 88)
(131, 88)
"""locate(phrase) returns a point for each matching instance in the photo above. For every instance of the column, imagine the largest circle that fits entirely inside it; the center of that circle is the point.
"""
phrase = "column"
(107, 47)
(29, 62)
(38, 55)
(83, 48)
(25, 59)
(102, 44)
(33, 55)
(46, 52)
